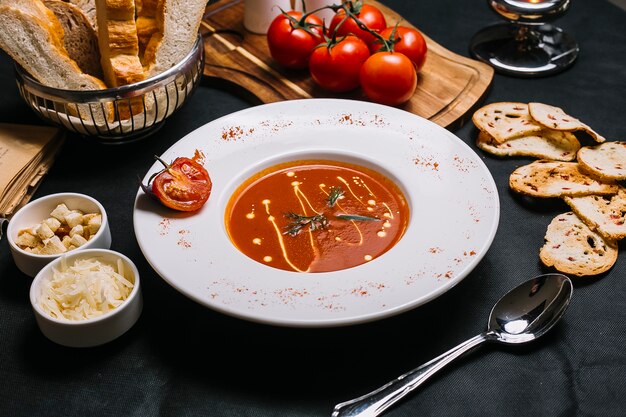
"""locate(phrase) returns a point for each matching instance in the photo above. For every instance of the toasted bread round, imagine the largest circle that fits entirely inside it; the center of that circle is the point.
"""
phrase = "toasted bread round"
(605, 215)
(572, 248)
(545, 178)
(504, 121)
(555, 118)
(606, 161)
(547, 144)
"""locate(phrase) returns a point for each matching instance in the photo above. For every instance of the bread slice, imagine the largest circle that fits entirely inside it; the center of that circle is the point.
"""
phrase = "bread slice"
(555, 118)
(605, 215)
(606, 161)
(506, 120)
(33, 37)
(547, 144)
(178, 22)
(31, 34)
(572, 248)
(80, 38)
(117, 37)
(88, 7)
(557, 179)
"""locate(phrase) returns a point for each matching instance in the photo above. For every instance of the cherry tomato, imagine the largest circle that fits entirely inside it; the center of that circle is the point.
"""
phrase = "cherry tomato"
(388, 78)
(336, 67)
(411, 44)
(183, 185)
(291, 40)
(369, 15)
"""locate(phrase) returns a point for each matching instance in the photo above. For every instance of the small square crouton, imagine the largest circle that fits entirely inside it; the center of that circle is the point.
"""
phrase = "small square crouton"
(67, 241)
(77, 230)
(74, 218)
(94, 224)
(53, 223)
(78, 240)
(27, 240)
(53, 246)
(60, 212)
(44, 231)
(88, 216)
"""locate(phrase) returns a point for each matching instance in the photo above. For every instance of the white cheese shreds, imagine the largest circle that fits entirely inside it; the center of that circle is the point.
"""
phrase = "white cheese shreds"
(84, 290)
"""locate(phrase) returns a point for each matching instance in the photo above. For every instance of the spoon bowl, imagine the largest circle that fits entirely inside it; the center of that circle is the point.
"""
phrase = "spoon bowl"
(529, 310)
(522, 315)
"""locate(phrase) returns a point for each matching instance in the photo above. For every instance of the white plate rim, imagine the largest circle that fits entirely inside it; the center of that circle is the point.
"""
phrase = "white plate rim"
(355, 108)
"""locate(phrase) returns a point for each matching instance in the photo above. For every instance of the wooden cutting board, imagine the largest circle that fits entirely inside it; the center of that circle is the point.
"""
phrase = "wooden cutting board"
(449, 88)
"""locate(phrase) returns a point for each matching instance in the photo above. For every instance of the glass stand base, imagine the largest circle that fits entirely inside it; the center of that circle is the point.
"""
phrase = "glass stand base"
(524, 50)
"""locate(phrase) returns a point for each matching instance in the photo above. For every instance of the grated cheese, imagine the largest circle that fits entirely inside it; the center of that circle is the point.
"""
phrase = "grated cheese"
(86, 289)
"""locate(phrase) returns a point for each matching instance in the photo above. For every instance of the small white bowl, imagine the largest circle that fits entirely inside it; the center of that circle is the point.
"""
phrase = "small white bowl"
(95, 331)
(37, 211)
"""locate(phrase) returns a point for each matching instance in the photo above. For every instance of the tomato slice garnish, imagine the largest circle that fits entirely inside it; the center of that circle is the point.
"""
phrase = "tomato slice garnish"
(183, 185)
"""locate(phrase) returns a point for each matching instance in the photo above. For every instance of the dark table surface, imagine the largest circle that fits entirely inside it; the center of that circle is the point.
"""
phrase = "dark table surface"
(182, 359)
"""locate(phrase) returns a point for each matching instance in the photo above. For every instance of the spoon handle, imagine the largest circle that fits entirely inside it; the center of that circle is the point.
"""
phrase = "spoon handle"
(374, 403)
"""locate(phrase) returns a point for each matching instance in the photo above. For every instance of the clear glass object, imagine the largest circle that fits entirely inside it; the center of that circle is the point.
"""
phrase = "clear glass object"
(527, 45)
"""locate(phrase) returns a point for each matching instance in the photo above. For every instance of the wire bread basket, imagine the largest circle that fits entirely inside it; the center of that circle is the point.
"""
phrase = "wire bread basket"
(120, 114)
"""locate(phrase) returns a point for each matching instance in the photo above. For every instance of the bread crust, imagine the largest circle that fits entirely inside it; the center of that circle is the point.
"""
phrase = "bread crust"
(147, 24)
(118, 42)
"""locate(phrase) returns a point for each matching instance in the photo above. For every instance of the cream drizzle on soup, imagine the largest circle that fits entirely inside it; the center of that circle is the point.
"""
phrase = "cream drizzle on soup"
(316, 216)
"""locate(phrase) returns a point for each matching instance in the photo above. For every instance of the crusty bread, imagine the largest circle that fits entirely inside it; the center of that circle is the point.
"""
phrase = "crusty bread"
(117, 37)
(119, 49)
(146, 27)
(80, 38)
(605, 215)
(33, 37)
(606, 161)
(555, 118)
(178, 22)
(557, 179)
(572, 248)
(146, 22)
(88, 7)
(547, 144)
(504, 121)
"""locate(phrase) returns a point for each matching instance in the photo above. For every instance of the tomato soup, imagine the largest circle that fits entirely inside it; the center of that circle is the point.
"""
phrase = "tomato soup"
(316, 216)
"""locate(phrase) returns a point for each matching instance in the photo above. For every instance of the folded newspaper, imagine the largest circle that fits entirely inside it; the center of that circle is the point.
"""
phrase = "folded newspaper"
(26, 154)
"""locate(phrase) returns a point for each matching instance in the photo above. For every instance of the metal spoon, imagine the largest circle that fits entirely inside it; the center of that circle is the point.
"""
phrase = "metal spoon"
(522, 315)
